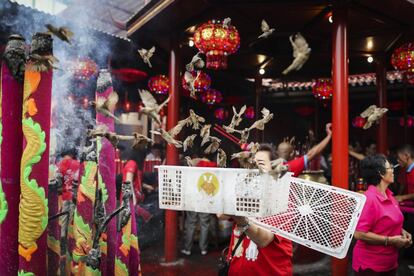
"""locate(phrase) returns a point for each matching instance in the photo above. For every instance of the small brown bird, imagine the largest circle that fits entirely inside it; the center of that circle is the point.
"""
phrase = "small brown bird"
(266, 30)
(205, 134)
(177, 129)
(192, 162)
(196, 63)
(151, 107)
(373, 114)
(214, 145)
(237, 116)
(278, 167)
(260, 124)
(167, 137)
(226, 22)
(301, 53)
(106, 106)
(140, 140)
(195, 120)
(40, 63)
(245, 159)
(189, 142)
(190, 79)
(146, 55)
(221, 158)
(63, 33)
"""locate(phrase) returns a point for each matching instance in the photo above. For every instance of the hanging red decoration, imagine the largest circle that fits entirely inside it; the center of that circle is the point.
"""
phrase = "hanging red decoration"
(83, 69)
(322, 89)
(358, 122)
(249, 113)
(221, 113)
(410, 121)
(159, 84)
(129, 74)
(217, 40)
(403, 58)
(201, 83)
(211, 96)
(305, 111)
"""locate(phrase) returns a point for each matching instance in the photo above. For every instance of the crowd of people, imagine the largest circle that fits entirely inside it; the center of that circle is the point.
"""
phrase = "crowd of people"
(382, 229)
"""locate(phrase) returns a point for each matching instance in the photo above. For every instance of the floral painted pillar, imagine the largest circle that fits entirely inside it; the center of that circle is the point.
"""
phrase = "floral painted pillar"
(11, 137)
(107, 172)
(34, 166)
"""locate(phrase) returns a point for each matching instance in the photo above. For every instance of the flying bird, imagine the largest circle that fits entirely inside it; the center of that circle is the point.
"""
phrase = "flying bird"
(372, 115)
(190, 79)
(205, 134)
(260, 124)
(301, 53)
(177, 128)
(245, 159)
(189, 142)
(146, 55)
(40, 63)
(266, 30)
(196, 63)
(214, 145)
(278, 167)
(221, 158)
(62, 33)
(195, 120)
(167, 137)
(226, 22)
(192, 162)
(237, 116)
(140, 140)
(106, 106)
(151, 107)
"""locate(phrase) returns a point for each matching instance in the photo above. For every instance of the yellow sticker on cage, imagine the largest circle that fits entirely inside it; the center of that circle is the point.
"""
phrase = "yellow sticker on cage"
(208, 183)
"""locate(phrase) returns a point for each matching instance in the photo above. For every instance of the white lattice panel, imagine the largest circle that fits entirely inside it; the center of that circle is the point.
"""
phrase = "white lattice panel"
(217, 190)
(318, 216)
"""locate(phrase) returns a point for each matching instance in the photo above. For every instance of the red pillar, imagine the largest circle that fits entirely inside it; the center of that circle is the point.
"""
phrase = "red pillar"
(170, 245)
(381, 75)
(340, 110)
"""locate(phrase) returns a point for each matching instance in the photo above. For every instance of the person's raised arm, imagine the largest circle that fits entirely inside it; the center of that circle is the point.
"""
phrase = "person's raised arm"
(317, 149)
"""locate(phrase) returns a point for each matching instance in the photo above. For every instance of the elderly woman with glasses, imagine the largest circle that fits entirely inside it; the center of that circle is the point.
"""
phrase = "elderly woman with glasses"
(379, 232)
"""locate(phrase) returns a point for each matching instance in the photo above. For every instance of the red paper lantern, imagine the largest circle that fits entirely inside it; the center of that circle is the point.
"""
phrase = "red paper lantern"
(217, 41)
(249, 113)
(403, 58)
(129, 74)
(410, 121)
(322, 89)
(221, 113)
(159, 84)
(83, 69)
(211, 96)
(358, 122)
(201, 83)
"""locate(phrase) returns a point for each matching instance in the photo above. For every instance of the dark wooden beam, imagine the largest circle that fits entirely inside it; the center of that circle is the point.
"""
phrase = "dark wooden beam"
(376, 15)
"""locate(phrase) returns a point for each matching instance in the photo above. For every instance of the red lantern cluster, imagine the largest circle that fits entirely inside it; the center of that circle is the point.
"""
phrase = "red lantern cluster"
(403, 58)
(359, 122)
(211, 96)
(409, 122)
(83, 69)
(159, 84)
(221, 113)
(217, 40)
(201, 83)
(322, 89)
(249, 113)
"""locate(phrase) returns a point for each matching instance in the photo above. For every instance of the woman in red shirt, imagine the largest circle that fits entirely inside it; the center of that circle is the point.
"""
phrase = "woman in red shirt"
(379, 232)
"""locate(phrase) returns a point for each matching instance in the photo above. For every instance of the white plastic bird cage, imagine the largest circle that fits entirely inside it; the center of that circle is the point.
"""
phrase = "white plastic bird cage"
(315, 215)
(239, 192)
(318, 216)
